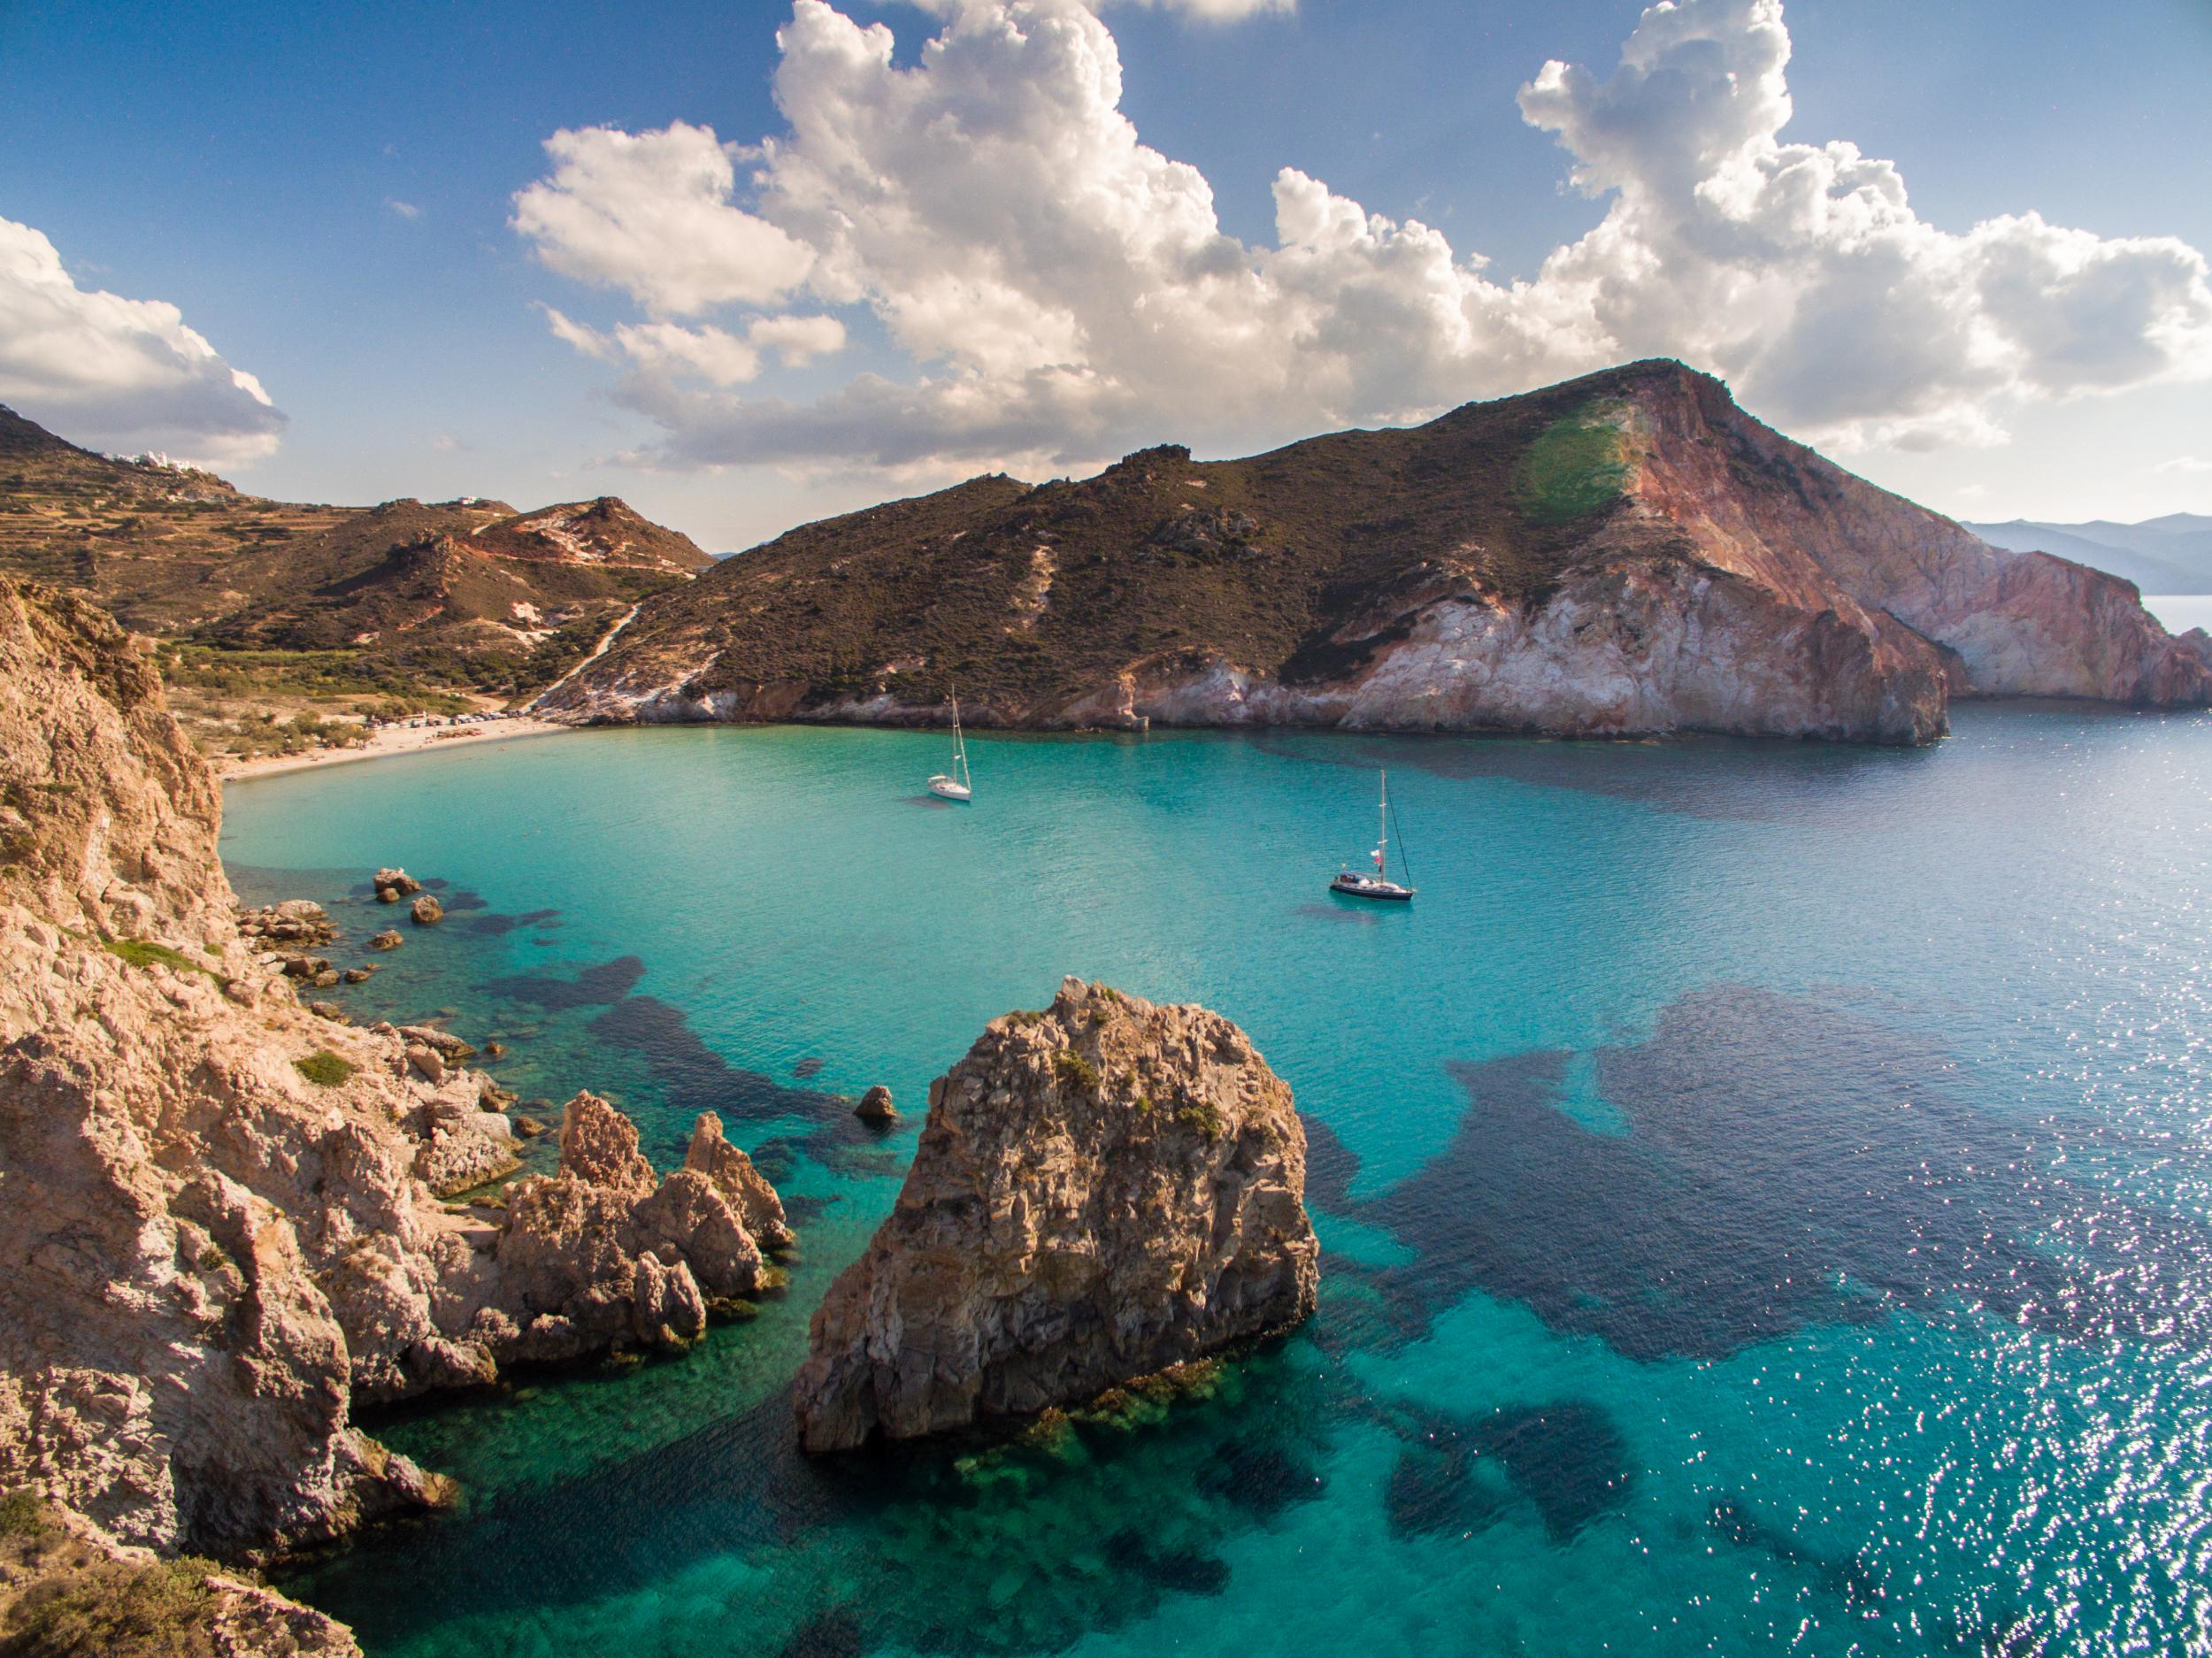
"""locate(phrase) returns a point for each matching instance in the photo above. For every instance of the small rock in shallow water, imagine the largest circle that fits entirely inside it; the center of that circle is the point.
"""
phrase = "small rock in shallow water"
(394, 885)
(875, 1106)
(329, 1010)
(427, 910)
(387, 940)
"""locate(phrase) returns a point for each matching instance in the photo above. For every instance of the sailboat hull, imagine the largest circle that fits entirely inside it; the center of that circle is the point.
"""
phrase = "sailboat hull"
(1362, 887)
(945, 788)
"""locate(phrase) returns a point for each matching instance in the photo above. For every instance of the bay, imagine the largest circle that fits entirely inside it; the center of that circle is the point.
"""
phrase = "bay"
(1763, 1183)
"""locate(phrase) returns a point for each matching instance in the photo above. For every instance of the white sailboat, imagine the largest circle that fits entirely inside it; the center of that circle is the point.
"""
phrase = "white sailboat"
(1357, 883)
(954, 784)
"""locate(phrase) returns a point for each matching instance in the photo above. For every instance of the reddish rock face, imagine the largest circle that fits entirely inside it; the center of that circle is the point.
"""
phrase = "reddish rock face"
(1626, 553)
(1102, 1190)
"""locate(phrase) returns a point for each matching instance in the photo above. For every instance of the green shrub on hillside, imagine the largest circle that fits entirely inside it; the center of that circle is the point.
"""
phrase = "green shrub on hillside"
(324, 1069)
(1077, 1072)
(1578, 466)
(145, 953)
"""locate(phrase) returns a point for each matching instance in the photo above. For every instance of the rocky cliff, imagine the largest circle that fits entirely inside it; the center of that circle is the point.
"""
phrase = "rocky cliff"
(1625, 554)
(1102, 1190)
(217, 1225)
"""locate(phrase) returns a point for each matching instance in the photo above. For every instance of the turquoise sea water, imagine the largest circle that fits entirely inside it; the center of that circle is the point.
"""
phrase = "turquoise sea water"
(1764, 1185)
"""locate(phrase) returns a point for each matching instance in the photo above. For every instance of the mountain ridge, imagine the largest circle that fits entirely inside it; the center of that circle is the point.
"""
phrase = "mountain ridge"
(1624, 554)
(267, 608)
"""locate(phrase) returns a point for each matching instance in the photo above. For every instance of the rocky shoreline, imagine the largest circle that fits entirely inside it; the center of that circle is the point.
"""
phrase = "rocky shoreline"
(220, 1213)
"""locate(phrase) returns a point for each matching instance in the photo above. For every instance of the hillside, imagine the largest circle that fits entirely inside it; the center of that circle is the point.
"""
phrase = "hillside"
(272, 614)
(1624, 553)
(2171, 555)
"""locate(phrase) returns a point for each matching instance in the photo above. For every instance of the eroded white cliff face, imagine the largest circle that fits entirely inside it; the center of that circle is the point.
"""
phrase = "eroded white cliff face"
(1639, 648)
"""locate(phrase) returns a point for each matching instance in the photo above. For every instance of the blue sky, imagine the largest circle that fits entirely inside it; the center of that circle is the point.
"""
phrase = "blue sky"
(329, 197)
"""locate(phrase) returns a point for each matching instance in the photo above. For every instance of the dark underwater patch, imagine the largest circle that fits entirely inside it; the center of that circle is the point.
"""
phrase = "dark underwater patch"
(492, 924)
(1331, 1167)
(1567, 1459)
(689, 1076)
(600, 985)
(806, 1068)
(1262, 1479)
(1789, 1160)
(452, 898)
(1742, 1524)
(833, 1635)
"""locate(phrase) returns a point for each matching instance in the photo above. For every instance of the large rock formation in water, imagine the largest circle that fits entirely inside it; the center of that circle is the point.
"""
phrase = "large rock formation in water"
(1625, 554)
(1102, 1190)
(216, 1231)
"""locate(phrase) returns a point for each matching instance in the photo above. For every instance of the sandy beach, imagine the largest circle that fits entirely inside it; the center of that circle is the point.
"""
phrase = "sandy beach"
(389, 741)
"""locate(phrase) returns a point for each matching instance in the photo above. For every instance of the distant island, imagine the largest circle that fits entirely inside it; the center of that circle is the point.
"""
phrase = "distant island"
(2172, 555)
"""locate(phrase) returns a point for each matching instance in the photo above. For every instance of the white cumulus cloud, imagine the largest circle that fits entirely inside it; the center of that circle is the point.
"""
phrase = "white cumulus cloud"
(651, 213)
(119, 374)
(1058, 288)
(657, 349)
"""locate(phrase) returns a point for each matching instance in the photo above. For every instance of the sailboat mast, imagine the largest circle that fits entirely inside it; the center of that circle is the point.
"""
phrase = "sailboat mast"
(1382, 840)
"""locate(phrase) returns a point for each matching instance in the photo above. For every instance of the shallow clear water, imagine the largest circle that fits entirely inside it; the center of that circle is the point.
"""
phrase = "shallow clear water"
(1764, 1185)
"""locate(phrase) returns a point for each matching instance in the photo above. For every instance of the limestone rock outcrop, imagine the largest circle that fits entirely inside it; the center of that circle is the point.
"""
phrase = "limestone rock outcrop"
(731, 1172)
(875, 1106)
(602, 1254)
(1102, 1191)
(218, 1218)
(426, 911)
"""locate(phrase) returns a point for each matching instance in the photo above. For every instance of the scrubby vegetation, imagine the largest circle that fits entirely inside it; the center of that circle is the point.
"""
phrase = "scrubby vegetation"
(324, 1069)
(1200, 1118)
(355, 677)
(146, 953)
(114, 1610)
(1075, 1070)
(59, 1598)
(1578, 466)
